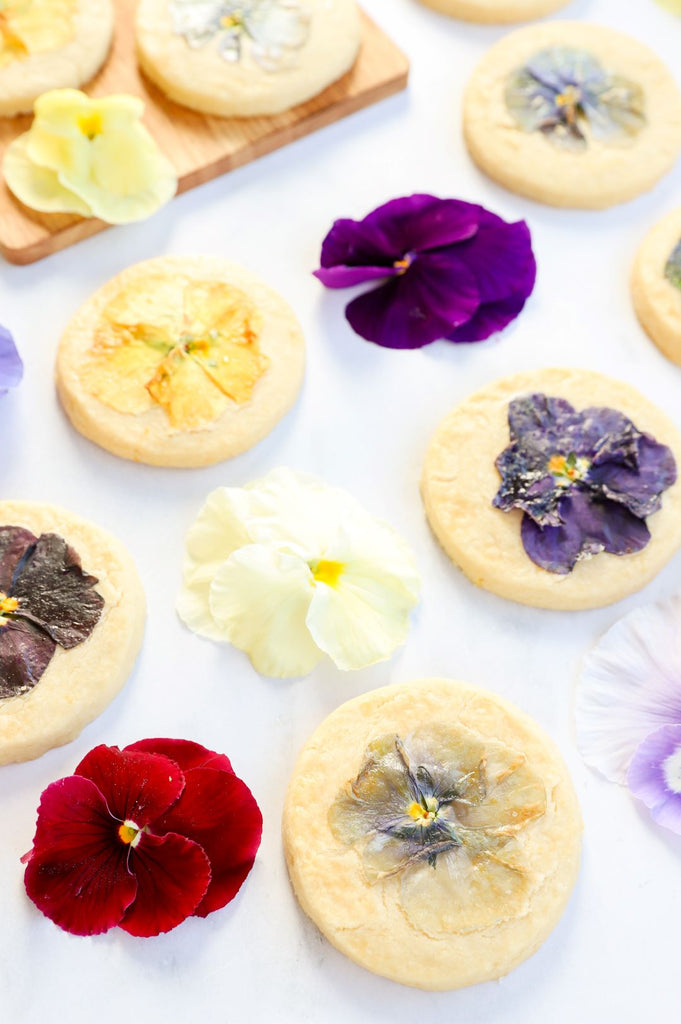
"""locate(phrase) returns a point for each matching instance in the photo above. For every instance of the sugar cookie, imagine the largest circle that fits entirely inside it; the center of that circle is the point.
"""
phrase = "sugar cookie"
(496, 12)
(460, 481)
(246, 58)
(180, 362)
(572, 114)
(656, 285)
(50, 44)
(432, 833)
(72, 614)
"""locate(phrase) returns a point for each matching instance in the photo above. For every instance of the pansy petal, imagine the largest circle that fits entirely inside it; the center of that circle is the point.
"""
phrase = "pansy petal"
(348, 277)
(77, 872)
(136, 786)
(217, 810)
(435, 294)
(630, 686)
(353, 243)
(638, 487)
(490, 318)
(588, 528)
(654, 775)
(172, 874)
(259, 599)
(11, 366)
(501, 259)
(361, 619)
(185, 753)
(38, 187)
(25, 652)
(422, 222)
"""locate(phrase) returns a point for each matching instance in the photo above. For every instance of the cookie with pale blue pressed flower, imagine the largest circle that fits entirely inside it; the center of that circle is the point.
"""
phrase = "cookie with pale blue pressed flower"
(656, 285)
(246, 58)
(573, 114)
(496, 12)
(432, 833)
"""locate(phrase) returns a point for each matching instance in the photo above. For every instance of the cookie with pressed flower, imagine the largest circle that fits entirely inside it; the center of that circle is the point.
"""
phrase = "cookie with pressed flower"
(573, 114)
(50, 44)
(180, 362)
(656, 285)
(496, 12)
(72, 614)
(556, 488)
(246, 58)
(432, 833)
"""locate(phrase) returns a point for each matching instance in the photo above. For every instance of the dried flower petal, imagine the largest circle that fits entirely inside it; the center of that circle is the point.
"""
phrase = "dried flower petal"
(451, 270)
(11, 366)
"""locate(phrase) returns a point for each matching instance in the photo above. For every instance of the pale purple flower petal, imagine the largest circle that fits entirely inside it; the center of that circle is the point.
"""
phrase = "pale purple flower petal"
(11, 366)
(654, 775)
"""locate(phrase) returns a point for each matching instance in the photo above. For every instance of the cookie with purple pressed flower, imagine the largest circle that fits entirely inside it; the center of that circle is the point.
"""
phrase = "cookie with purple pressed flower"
(656, 285)
(573, 114)
(556, 488)
(72, 614)
(432, 833)
(496, 12)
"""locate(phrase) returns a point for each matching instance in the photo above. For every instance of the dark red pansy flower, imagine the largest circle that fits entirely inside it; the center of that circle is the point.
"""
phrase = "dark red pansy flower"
(444, 269)
(142, 838)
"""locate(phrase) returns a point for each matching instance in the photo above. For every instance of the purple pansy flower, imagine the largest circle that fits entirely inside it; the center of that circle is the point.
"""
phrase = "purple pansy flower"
(629, 708)
(11, 366)
(585, 480)
(448, 269)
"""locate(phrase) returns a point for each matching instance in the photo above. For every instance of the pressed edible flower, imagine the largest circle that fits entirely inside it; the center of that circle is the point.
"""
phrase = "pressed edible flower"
(447, 269)
(34, 26)
(442, 810)
(11, 366)
(629, 708)
(275, 30)
(89, 156)
(289, 570)
(46, 601)
(586, 481)
(672, 270)
(142, 838)
(566, 94)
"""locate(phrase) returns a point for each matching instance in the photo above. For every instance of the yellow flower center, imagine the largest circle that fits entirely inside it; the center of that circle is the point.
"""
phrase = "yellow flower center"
(129, 833)
(328, 572)
(423, 815)
(403, 264)
(567, 469)
(7, 604)
(569, 99)
(91, 124)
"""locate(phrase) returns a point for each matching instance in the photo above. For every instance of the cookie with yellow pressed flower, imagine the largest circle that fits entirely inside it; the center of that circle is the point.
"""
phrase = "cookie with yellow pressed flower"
(50, 44)
(432, 833)
(180, 362)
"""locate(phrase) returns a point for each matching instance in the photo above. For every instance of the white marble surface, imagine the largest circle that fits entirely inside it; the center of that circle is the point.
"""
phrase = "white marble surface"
(363, 421)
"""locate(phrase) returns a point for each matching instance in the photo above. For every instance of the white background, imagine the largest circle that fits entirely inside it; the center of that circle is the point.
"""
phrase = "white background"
(363, 422)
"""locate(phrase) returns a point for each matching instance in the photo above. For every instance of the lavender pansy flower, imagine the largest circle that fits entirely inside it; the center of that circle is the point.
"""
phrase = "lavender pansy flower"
(586, 481)
(11, 366)
(629, 708)
(566, 94)
(447, 269)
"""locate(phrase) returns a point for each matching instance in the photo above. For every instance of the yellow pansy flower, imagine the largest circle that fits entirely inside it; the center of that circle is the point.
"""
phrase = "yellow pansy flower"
(89, 156)
(34, 26)
(189, 346)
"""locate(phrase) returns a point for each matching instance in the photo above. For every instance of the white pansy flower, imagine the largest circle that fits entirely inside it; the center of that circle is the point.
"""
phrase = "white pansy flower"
(289, 569)
(276, 29)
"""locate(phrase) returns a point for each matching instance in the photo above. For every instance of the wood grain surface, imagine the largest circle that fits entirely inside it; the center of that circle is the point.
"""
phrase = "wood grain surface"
(200, 146)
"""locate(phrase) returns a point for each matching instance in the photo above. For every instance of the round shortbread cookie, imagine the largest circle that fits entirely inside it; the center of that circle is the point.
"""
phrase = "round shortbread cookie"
(546, 147)
(103, 379)
(488, 903)
(50, 44)
(78, 683)
(496, 12)
(246, 59)
(656, 285)
(460, 480)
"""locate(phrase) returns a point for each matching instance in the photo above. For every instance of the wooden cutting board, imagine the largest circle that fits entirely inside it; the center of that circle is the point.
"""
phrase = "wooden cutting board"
(200, 146)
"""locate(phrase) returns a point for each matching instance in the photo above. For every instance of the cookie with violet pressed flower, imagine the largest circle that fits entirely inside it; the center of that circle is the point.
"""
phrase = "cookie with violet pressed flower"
(556, 488)
(432, 833)
(656, 285)
(50, 44)
(180, 361)
(496, 12)
(72, 614)
(573, 114)
(246, 58)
